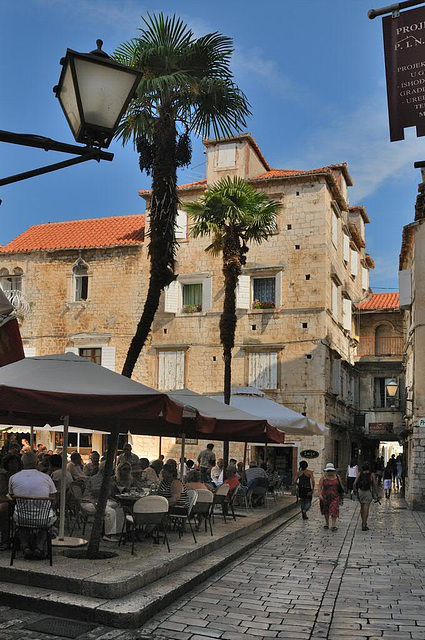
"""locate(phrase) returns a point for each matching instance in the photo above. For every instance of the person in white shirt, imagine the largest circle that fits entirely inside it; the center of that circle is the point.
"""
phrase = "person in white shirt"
(352, 473)
(217, 473)
(31, 483)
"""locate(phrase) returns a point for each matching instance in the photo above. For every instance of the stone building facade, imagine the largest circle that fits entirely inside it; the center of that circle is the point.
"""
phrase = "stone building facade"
(412, 300)
(85, 282)
(379, 361)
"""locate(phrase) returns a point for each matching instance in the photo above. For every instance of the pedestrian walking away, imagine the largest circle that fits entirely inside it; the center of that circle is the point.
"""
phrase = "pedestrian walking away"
(331, 491)
(352, 471)
(388, 480)
(365, 486)
(305, 483)
(399, 472)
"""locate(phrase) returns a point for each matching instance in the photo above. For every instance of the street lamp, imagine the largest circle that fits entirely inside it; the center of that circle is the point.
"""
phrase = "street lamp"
(94, 91)
(391, 387)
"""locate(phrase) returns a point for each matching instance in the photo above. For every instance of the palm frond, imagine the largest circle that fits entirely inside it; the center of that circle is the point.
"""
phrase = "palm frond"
(221, 107)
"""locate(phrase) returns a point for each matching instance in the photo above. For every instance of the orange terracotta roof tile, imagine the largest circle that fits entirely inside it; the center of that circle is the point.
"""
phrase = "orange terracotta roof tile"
(199, 184)
(80, 234)
(278, 173)
(381, 302)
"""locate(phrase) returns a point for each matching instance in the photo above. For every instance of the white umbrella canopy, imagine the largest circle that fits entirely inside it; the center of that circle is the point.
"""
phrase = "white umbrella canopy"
(256, 403)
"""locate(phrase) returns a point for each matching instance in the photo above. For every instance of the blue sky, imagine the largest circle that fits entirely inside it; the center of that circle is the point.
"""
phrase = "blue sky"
(312, 69)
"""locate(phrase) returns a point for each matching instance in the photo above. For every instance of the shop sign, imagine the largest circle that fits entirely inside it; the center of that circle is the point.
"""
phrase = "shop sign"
(381, 427)
(309, 453)
(404, 48)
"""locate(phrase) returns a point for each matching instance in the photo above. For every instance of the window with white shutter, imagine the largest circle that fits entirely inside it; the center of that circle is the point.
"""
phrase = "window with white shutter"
(405, 286)
(346, 313)
(263, 370)
(108, 358)
(354, 260)
(335, 300)
(334, 228)
(346, 248)
(206, 294)
(226, 156)
(365, 278)
(171, 297)
(29, 352)
(170, 370)
(243, 293)
(181, 225)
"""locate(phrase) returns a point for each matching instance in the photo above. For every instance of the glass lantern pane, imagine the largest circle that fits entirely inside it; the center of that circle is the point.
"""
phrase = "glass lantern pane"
(103, 92)
(69, 101)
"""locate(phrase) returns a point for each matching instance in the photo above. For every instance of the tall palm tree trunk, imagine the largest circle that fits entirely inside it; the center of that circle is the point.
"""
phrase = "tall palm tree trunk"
(231, 271)
(96, 532)
(162, 235)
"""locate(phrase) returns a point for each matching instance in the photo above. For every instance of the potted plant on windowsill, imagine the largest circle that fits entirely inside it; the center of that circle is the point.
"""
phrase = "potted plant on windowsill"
(263, 305)
(192, 308)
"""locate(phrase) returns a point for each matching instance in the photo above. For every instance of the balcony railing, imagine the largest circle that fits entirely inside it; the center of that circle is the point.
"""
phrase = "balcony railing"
(380, 346)
(19, 302)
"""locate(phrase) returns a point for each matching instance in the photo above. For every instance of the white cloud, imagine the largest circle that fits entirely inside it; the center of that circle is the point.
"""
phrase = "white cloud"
(361, 138)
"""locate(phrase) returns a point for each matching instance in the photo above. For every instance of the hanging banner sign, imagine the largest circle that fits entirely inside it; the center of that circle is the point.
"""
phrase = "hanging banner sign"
(404, 47)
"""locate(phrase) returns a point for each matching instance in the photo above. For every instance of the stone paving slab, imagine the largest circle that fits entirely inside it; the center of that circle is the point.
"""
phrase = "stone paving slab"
(300, 583)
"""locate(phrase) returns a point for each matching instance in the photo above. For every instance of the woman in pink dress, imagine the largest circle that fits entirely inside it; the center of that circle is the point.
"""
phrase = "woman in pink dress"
(330, 490)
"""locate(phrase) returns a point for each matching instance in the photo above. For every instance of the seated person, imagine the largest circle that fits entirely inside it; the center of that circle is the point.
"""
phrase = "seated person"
(92, 467)
(31, 483)
(173, 489)
(55, 472)
(157, 465)
(231, 478)
(11, 465)
(75, 467)
(272, 475)
(149, 476)
(124, 479)
(254, 472)
(114, 515)
(128, 456)
(217, 473)
(43, 462)
(241, 472)
(193, 481)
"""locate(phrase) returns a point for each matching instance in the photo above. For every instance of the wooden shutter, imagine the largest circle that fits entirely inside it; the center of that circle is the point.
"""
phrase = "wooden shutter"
(336, 376)
(346, 248)
(346, 314)
(29, 352)
(108, 358)
(334, 228)
(263, 370)
(206, 294)
(405, 286)
(354, 258)
(181, 224)
(243, 293)
(171, 370)
(171, 297)
(278, 294)
(365, 278)
(226, 155)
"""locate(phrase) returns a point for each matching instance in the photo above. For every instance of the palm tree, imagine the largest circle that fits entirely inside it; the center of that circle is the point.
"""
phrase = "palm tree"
(187, 87)
(234, 214)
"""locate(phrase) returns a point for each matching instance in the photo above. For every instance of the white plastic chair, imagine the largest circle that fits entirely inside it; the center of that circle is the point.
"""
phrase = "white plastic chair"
(150, 510)
(203, 507)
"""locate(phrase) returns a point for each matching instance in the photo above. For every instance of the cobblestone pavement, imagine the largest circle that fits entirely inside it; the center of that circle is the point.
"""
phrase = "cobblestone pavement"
(301, 583)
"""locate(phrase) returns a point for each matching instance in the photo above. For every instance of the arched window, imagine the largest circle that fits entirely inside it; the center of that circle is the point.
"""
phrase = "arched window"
(383, 335)
(11, 281)
(81, 281)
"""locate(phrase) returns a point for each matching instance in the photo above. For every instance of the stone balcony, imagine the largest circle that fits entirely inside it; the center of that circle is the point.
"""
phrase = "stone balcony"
(19, 302)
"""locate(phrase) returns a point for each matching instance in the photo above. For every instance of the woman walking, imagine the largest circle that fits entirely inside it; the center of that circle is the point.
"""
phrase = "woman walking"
(352, 471)
(330, 491)
(365, 485)
(305, 482)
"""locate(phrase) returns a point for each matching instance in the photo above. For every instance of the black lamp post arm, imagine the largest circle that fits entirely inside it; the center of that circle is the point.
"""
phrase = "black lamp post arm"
(40, 142)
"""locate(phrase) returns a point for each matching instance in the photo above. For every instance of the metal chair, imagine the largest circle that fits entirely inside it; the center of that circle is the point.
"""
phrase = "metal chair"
(31, 517)
(180, 519)
(258, 490)
(219, 499)
(76, 491)
(150, 511)
(203, 507)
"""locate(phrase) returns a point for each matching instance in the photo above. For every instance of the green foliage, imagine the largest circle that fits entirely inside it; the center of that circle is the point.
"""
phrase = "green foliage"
(231, 205)
(188, 77)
